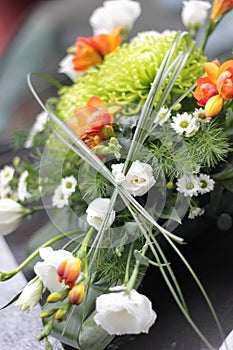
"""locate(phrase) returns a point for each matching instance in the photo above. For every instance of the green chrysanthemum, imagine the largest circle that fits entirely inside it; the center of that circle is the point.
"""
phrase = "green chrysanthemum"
(126, 75)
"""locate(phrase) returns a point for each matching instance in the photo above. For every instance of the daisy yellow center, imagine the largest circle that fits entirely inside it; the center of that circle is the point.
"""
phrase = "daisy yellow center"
(184, 124)
(68, 185)
(204, 184)
(202, 116)
(189, 186)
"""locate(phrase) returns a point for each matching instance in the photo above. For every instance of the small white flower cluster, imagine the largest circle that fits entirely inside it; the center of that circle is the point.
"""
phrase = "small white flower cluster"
(6, 176)
(196, 211)
(38, 126)
(187, 124)
(64, 191)
(192, 185)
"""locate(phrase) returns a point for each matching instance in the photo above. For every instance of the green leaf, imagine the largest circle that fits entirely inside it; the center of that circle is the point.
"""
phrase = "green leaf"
(92, 336)
(11, 301)
(144, 261)
(227, 172)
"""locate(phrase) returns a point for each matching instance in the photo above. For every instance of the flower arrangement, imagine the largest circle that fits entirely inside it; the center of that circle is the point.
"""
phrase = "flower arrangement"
(125, 151)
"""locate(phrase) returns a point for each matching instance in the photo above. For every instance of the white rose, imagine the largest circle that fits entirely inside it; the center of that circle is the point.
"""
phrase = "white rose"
(97, 211)
(113, 14)
(194, 13)
(138, 180)
(47, 270)
(66, 67)
(30, 295)
(120, 313)
(11, 215)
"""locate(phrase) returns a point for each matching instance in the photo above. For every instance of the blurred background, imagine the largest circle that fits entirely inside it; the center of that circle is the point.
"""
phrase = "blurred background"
(34, 35)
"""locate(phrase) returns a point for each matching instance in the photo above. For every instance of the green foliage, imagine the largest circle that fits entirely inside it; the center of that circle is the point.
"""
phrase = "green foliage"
(209, 146)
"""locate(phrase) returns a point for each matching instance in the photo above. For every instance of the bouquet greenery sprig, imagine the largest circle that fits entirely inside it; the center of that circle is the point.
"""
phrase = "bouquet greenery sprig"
(124, 155)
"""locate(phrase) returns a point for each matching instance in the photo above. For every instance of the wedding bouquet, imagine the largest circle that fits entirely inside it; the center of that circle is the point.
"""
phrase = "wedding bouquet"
(123, 155)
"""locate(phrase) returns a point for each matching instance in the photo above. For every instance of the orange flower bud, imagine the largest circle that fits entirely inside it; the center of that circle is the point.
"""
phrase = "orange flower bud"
(69, 270)
(220, 7)
(91, 51)
(213, 106)
(76, 294)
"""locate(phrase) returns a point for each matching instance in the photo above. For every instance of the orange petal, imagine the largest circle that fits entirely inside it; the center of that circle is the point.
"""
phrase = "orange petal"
(220, 7)
(212, 69)
(225, 66)
(213, 106)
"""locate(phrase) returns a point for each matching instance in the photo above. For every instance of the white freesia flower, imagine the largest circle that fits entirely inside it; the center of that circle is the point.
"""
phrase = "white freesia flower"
(11, 215)
(67, 68)
(68, 185)
(97, 211)
(120, 313)
(206, 183)
(47, 270)
(228, 342)
(30, 295)
(115, 13)
(6, 175)
(60, 199)
(189, 185)
(38, 126)
(194, 13)
(22, 186)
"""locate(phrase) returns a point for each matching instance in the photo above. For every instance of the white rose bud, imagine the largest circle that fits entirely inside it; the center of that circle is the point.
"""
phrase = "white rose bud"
(96, 212)
(47, 269)
(30, 295)
(11, 215)
(120, 313)
(194, 13)
(113, 14)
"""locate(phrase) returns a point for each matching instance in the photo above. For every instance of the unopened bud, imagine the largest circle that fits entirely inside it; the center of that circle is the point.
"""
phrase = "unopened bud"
(170, 185)
(48, 313)
(76, 294)
(16, 161)
(108, 131)
(57, 296)
(46, 330)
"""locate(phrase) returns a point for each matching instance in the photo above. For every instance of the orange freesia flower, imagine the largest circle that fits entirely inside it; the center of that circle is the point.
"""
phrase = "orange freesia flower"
(216, 87)
(69, 270)
(220, 7)
(89, 121)
(91, 51)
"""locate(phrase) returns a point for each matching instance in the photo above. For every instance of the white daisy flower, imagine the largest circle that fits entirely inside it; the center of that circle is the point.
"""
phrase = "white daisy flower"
(189, 185)
(22, 186)
(194, 212)
(192, 128)
(6, 175)
(201, 116)
(38, 126)
(162, 116)
(181, 123)
(68, 185)
(60, 199)
(5, 191)
(206, 183)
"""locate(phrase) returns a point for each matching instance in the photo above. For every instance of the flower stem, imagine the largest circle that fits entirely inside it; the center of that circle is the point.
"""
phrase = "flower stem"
(4, 276)
(83, 249)
(133, 278)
